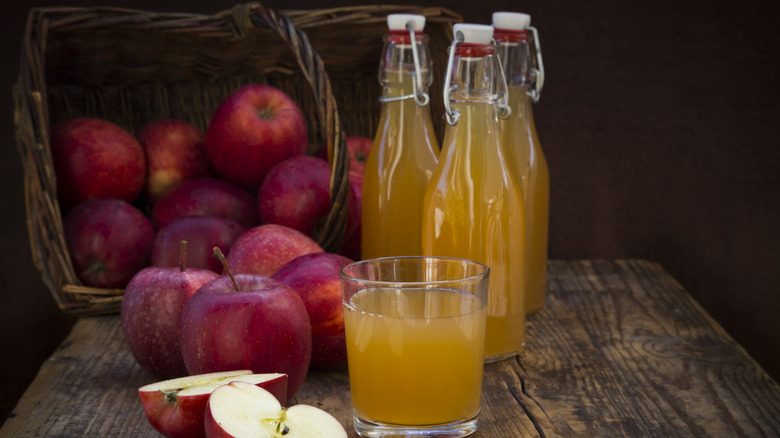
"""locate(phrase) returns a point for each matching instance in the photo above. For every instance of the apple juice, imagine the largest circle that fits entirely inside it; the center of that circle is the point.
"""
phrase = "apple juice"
(390, 332)
(525, 153)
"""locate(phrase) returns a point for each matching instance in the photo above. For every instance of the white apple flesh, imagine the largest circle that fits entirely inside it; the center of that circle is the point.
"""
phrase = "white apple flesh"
(240, 410)
(176, 408)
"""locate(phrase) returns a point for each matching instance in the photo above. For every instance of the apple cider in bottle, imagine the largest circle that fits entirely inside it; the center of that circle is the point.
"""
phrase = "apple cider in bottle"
(521, 59)
(404, 154)
(473, 206)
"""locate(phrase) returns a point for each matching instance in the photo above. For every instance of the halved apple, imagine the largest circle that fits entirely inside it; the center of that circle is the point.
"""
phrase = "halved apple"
(241, 410)
(176, 407)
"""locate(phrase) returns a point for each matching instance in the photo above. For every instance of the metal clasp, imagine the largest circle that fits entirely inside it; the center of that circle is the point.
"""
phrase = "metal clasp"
(538, 72)
(420, 97)
(452, 116)
(504, 110)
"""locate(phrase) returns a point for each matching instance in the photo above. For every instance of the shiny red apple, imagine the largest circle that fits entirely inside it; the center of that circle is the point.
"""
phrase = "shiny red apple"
(264, 249)
(202, 234)
(351, 247)
(358, 148)
(296, 194)
(316, 279)
(175, 150)
(206, 197)
(253, 129)
(108, 240)
(247, 321)
(151, 311)
(95, 158)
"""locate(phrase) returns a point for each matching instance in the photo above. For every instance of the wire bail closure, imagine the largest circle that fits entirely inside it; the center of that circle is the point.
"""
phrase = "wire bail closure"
(451, 115)
(536, 92)
(420, 97)
(504, 110)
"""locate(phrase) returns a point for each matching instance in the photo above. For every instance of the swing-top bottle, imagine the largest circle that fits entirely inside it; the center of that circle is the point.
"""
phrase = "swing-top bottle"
(405, 150)
(473, 206)
(520, 54)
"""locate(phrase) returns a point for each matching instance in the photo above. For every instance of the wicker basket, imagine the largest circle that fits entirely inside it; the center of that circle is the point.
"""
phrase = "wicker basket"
(131, 67)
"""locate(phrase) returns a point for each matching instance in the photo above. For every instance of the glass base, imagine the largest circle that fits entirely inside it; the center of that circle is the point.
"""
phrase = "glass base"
(499, 357)
(374, 429)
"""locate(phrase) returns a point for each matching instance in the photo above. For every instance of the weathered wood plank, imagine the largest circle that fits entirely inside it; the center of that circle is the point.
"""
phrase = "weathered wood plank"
(620, 349)
(86, 388)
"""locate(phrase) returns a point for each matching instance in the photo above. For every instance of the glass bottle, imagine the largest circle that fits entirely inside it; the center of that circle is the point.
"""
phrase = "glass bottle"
(405, 150)
(473, 205)
(518, 49)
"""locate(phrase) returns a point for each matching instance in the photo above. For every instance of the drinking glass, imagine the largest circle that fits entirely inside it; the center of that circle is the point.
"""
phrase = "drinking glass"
(415, 331)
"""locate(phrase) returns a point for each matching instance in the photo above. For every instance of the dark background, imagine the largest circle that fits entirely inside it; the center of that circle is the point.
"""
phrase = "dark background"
(660, 124)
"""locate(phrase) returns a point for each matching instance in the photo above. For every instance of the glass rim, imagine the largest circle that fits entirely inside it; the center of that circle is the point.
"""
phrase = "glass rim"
(484, 272)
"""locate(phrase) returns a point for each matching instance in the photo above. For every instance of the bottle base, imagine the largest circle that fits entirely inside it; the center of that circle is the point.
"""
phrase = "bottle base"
(500, 357)
(374, 429)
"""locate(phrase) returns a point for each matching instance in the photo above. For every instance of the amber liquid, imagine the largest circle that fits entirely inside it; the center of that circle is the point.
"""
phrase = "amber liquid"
(399, 166)
(474, 209)
(415, 355)
(526, 158)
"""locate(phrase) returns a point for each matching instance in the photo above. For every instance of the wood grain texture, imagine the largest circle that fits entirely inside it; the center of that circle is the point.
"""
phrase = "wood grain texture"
(619, 349)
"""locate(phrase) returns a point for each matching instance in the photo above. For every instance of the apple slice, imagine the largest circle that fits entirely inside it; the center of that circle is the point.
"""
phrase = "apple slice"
(176, 407)
(241, 410)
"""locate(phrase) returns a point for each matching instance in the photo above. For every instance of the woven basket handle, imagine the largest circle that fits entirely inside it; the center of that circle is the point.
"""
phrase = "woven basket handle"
(248, 17)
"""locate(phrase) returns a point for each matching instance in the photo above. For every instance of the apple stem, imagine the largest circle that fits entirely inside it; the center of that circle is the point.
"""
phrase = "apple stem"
(218, 254)
(183, 256)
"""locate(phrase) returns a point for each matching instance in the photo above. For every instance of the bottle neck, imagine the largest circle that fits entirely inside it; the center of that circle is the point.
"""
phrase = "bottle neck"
(397, 68)
(518, 58)
(476, 88)
(475, 76)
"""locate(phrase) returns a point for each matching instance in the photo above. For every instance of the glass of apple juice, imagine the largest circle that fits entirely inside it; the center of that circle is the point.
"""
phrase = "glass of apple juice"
(415, 331)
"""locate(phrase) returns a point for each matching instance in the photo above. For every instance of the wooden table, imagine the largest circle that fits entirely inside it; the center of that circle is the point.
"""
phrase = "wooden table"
(620, 349)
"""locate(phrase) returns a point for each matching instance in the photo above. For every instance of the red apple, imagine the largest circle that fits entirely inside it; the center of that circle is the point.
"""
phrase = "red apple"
(202, 233)
(95, 158)
(175, 150)
(108, 240)
(264, 249)
(316, 279)
(241, 410)
(177, 408)
(351, 247)
(206, 197)
(296, 194)
(151, 311)
(247, 322)
(253, 129)
(359, 148)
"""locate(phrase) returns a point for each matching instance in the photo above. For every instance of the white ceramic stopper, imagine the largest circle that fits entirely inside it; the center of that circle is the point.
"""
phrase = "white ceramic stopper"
(473, 33)
(511, 20)
(399, 21)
